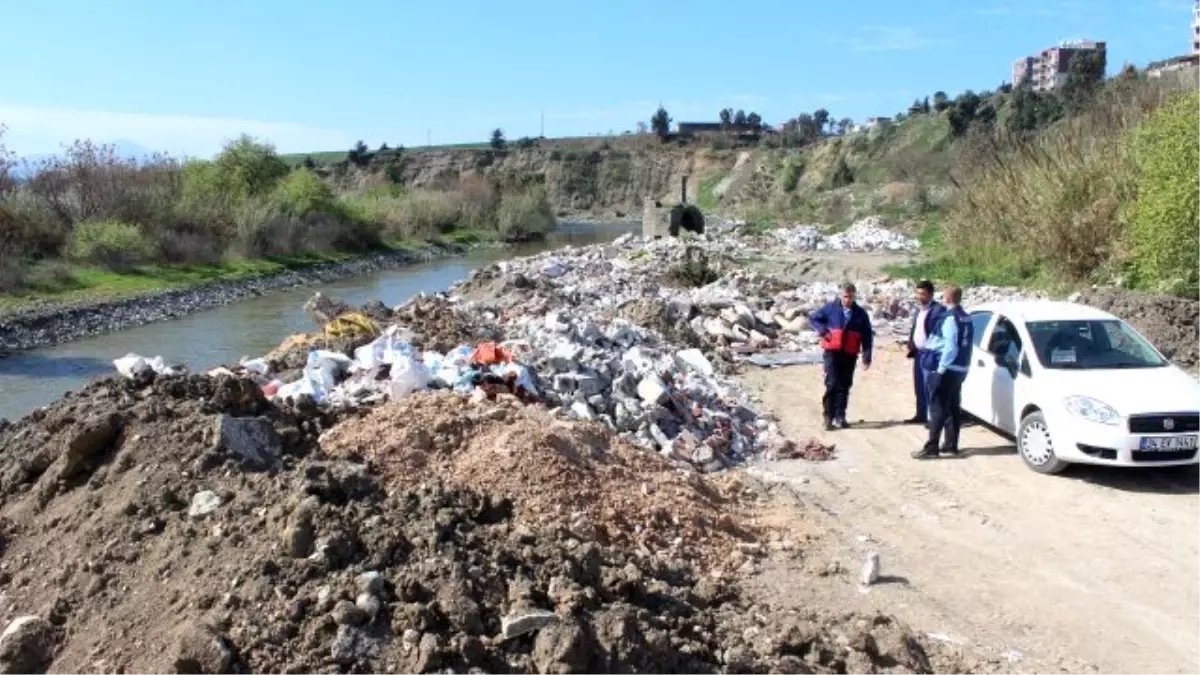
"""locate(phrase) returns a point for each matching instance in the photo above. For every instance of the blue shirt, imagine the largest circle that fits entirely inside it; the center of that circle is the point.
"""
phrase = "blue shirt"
(945, 343)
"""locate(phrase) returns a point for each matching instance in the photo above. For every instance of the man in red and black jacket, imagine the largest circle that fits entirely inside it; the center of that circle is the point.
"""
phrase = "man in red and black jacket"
(845, 332)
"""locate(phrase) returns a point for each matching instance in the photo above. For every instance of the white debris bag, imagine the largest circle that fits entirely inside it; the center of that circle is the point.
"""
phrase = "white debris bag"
(258, 366)
(323, 371)
(131, 365)
(454, 365)
(554, 269)
(409, 374)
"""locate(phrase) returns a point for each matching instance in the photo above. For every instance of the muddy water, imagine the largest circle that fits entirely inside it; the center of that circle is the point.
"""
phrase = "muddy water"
(248, 328)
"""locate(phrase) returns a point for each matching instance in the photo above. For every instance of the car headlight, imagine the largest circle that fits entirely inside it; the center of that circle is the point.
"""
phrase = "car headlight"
(1092, 410)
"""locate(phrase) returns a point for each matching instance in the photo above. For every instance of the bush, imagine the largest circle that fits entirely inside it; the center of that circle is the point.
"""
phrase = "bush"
(248, 168)
(302, 193)
(113, 244)
(1164, 217)
(526, 215)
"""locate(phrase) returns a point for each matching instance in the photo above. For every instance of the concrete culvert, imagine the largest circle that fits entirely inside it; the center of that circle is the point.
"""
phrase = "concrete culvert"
(687, 218)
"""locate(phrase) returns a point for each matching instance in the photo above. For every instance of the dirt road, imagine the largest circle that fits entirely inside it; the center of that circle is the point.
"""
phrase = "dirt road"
(1092, 569)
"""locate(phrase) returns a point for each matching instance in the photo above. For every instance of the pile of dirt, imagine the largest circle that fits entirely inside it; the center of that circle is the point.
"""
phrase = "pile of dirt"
(1170, 323)
(438, 325)
(579, 477)
(184, 524)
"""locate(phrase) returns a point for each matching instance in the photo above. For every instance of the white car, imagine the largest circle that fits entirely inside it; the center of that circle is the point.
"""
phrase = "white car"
(1073, 384)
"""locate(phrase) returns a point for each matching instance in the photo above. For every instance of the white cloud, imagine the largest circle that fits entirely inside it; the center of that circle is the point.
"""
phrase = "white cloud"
(888, 39)
(33, 130)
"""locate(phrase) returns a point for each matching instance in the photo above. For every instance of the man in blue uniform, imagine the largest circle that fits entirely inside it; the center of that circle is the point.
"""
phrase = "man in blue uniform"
(944, 360)
(845, 331)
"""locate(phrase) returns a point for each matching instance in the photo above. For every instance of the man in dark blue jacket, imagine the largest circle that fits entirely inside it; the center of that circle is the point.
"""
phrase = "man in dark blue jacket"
(945, 360)
(922, 327)
(845, 331)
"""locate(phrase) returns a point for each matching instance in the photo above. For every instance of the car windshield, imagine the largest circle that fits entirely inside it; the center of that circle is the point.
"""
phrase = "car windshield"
(1091, 345)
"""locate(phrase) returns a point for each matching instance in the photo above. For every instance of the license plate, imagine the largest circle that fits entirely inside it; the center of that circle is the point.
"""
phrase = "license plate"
(1170, 442)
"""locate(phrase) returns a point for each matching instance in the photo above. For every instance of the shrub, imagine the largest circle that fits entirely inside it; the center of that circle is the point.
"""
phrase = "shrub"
(302, 193)
(113, 244)
(525, 215)
(248, 168)
(1164, 217)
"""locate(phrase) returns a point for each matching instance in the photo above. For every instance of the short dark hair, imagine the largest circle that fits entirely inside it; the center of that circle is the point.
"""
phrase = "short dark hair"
(849, 287)
(925, 285)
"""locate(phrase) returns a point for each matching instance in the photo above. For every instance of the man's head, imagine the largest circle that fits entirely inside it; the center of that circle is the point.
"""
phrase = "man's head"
(924, 291)
(849, 293)
(952, 296)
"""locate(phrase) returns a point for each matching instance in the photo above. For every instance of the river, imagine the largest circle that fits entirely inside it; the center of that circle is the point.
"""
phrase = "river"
(249, 328)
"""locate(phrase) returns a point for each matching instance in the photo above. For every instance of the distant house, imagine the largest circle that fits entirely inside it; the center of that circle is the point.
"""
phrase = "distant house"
(689, 129)
(873, 122)
(1159, 68)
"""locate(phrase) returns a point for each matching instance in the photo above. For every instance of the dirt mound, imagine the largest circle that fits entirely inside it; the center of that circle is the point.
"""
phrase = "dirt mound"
(440, 326)
(1168, 322)
(577, 476)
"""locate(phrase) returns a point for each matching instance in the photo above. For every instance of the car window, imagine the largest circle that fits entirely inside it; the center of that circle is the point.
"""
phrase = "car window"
(1088, 345)
(980, 321)
(1005, 341)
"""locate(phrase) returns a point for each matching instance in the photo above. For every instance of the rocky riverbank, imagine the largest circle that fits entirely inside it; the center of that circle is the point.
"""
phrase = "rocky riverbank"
(49, 323)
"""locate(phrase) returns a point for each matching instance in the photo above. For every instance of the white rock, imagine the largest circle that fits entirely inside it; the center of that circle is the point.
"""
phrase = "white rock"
(514, 625)
(695, 360)
(652, 389)
(204, 503)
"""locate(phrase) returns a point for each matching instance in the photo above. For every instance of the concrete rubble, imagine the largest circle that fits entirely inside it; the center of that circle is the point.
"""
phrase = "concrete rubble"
(578, 339)
(868, 234)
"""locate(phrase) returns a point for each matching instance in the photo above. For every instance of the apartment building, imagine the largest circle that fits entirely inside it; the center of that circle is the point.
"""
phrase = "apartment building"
(1048, 70)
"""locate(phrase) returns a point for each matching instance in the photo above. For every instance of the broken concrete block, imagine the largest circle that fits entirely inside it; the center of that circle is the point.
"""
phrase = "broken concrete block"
(253, 439)
(694, 360)
(652, 389)
(565, 357)
(518, 624)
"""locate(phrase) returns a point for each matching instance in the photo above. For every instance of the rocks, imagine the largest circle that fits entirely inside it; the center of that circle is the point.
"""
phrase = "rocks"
(253, 439)
(27, 645)
(517, 624)
(347, 613)
(204, 503)
(94, 437)
(199, 648)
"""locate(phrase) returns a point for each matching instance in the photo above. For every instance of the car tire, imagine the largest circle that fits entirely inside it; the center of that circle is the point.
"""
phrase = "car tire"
(1036, 446)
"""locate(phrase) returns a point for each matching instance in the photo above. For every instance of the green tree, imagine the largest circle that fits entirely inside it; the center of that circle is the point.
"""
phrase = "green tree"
(248, 168)
(739, 118)
(660, 123)
(309, 163)
(940, 101)
(820, 118)
(1085, 73)
(754, 121)
(844, 125)
(359, 155)
(726, 117)
(962, 113)
(498, 141)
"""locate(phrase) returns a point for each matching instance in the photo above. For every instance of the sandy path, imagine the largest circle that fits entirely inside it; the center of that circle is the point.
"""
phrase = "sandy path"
(1090, 567)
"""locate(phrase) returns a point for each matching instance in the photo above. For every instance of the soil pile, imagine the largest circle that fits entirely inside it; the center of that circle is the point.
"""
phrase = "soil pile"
(579, 477)
(1169, 323)
(184, 524)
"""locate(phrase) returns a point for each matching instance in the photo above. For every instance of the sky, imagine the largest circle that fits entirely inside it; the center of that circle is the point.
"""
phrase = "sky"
(185, 76)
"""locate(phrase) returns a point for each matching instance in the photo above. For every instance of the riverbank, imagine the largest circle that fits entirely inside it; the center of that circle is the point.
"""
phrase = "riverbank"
(48, 322)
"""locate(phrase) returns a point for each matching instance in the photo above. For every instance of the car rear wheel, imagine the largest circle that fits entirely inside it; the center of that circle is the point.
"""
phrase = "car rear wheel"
(1036, 445)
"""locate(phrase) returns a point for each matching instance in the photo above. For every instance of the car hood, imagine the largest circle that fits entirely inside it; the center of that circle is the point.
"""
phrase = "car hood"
(1133, 391)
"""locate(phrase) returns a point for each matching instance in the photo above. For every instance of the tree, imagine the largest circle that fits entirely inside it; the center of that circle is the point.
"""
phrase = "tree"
(359, 155)
(1129, 73)
(726, 117)
(940, 101)
(383, 147)
(525, 142)
(844, 125)
(309, 163)
(661, 123)
(925, 106)
(739, 118)
(498, 141)
(821, 118)
(754, 120)
(962, 113)
(1084, 75)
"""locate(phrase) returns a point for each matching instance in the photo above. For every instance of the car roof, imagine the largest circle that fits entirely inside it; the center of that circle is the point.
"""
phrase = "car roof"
(1044, 310)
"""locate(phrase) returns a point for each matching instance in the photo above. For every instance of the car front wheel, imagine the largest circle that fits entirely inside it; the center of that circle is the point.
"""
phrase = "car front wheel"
(1036, 445)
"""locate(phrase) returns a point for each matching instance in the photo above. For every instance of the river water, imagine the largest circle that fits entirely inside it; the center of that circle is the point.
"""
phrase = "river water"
(252, 327)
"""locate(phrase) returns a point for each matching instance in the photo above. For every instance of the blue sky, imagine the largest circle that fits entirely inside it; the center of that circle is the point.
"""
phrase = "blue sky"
(183, 76)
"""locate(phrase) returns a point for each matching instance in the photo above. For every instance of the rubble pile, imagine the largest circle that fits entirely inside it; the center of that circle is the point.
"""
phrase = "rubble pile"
(868, 234)
(174, 523)
(578, 476)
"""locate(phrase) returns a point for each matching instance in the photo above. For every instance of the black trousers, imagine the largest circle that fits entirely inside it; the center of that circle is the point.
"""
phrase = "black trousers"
(944, 393)
(920, 389)
(839, 377)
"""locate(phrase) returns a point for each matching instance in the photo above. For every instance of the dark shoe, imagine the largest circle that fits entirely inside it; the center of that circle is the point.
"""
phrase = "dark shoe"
(948, 451)
(925, 454)
(916, 420)
(829, 425)
(842, 424)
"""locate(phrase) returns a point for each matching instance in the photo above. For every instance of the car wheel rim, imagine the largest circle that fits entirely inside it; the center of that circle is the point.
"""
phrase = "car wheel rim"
(1035, 443)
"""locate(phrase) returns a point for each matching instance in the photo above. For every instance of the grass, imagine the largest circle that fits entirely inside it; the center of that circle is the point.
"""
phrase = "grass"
(706, 199)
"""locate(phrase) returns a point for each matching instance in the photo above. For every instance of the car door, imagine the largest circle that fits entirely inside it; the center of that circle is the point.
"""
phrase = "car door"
(977, 387)
(1004, 353)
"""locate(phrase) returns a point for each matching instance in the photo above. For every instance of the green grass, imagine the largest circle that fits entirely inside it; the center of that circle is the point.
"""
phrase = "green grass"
(69, 284)
(706, 200)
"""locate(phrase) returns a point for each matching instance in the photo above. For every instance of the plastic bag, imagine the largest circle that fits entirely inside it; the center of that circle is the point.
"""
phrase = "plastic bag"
(322, 371)
(454, 365)
(131, 365)
(408, 375)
